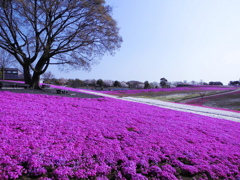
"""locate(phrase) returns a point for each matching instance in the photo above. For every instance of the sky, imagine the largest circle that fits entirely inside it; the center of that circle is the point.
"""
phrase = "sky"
(191, 40)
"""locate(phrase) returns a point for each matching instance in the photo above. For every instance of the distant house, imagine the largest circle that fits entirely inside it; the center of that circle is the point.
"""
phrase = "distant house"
(13, 74)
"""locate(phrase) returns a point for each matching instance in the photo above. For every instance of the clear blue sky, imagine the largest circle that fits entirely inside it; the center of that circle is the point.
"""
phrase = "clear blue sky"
(176, 39)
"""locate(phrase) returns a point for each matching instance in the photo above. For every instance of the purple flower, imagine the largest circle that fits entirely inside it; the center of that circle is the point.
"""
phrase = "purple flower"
(100, 138)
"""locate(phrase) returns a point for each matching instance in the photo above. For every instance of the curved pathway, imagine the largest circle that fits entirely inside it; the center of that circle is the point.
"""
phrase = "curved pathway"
(216, 113)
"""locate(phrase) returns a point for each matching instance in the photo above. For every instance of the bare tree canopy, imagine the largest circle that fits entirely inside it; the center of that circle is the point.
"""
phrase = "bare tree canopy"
(75, 33)
(6, 61)
(47, 76)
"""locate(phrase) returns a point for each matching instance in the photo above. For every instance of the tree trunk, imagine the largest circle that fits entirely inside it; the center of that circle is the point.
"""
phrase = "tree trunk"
(39, 70)
(35, 81)
(27, 75)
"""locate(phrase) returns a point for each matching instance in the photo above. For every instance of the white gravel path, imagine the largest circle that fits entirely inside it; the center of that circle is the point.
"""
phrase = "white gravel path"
(221, 114)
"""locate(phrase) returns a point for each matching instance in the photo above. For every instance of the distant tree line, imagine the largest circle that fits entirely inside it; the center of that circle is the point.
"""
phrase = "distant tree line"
(234, 83)
(49, 78)
(215, 83)
(77, 83)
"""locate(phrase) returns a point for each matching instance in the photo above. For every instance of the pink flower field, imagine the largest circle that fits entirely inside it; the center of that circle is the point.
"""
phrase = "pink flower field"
(228, 101)
(52, 137)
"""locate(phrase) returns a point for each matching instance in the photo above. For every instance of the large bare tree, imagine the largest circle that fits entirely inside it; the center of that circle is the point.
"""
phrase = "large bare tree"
(74, 33)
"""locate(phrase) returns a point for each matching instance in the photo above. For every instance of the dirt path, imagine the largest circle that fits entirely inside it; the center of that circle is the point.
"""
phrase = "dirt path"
(216, 113)
(221, 114)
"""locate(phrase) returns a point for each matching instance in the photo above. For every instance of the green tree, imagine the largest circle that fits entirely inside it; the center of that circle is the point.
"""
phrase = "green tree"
(78, 83)
(100, 82)
(75, 83)
(71, 33)
(163, 82)
(147, 85)
(117, 84)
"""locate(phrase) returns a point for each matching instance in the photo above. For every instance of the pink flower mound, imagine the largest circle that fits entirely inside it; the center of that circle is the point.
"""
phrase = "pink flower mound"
(61, 138)
(194, 88)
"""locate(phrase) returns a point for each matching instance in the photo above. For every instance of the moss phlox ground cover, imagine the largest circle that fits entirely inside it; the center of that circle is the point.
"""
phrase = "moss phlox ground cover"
(229, 101)
(54, 137)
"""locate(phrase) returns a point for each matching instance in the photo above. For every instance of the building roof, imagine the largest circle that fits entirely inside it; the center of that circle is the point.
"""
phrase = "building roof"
(12, 69)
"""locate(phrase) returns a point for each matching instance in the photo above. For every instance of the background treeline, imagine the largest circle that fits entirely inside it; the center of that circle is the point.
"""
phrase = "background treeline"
(103, 84)
(49, 78)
